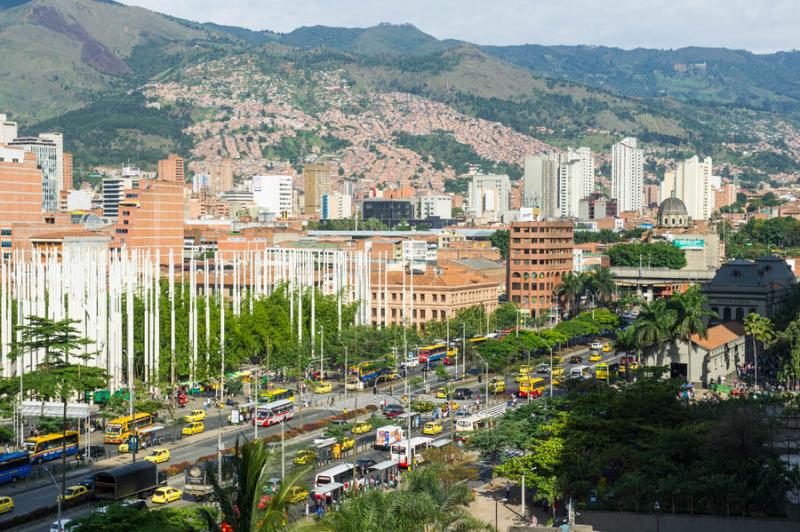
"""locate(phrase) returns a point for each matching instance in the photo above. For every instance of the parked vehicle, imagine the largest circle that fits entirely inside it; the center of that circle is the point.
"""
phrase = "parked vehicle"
(138, 478)
(392, 411)
(462, 393)
(197, 481)
(387, 436)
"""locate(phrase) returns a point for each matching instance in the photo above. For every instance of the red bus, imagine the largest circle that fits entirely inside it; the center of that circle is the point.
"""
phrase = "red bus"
(432, 353)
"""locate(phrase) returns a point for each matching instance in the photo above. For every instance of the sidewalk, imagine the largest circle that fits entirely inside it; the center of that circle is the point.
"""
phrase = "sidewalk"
(489, 507)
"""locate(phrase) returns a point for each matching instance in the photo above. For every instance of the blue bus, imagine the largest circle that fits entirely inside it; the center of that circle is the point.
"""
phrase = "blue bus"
(52, 446)
(14, 466)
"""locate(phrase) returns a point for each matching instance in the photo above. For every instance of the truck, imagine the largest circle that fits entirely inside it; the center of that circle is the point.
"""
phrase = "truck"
(387, 436)
(197, 479)
(131, 480)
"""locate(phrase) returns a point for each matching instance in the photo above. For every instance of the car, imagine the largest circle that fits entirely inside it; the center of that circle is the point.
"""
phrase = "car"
(195, 415)
(576, 359)
(94, 451)
(61, 526)
(75, 492)
(462, 393)
(441, 393)
(521, 377)
(322, 387)
(306, 456)
(348, 443)
(6, 505)
(352, 385)
(166, 495)
(606, 348)
(432, 428)
(125, 448)
(88, 482)
(557, 370)
(524, 369)
(596, 346)
(393, 410)
(362, 464)
(543, 368)
(361, 427)
(497, 385)
(134, 504)
(158, 456)
(386, 377)
(193, 428)
(296, 494)
(595, 357)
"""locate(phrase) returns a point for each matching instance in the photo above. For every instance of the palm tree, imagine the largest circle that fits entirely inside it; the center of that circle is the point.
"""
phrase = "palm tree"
(691, 318)
(654, 324)
(570, 290)
(242, 504)
(760, 330)
(601, 282)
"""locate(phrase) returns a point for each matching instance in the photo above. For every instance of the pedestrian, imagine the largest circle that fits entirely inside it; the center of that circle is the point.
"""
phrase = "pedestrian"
(308, 508)
(508, 491)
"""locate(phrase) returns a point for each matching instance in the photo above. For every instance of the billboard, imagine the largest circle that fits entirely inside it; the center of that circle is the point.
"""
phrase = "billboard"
(694, 243)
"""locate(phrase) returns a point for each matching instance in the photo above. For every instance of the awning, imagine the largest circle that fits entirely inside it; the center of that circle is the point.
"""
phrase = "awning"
(383, 466)
(150, 429)
(328, 488)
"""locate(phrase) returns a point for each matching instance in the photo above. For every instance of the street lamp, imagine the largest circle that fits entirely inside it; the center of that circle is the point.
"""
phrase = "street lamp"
(486, 384)
(59, 497)
(551, 371)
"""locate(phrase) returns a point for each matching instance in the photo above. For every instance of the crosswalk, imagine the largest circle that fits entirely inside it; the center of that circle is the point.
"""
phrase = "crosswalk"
(351, 403)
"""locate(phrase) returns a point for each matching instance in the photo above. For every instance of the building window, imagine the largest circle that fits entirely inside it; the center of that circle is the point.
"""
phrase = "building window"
(5, 232)
(6, 244)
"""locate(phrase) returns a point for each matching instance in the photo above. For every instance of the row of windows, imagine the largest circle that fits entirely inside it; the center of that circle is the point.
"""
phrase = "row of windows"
(532, 286)
(5, 232)
(546, 262)
(435, 298)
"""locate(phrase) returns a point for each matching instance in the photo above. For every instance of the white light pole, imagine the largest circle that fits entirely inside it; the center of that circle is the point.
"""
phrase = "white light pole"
(255, 410)
(486, 384)
(60, 496)
(551, 371)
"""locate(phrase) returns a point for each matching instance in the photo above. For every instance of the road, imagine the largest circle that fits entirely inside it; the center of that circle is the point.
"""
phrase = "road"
(191, 448)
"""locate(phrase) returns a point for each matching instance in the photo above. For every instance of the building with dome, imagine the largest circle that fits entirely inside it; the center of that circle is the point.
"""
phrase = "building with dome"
(672, 213)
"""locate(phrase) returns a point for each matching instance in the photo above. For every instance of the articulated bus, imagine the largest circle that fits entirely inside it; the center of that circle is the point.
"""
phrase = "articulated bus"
(274, 413)
(370, 370)
(120, 429)
(52, 446)
(14, 466)
(278, 394)
(432, 353)
(398, 451)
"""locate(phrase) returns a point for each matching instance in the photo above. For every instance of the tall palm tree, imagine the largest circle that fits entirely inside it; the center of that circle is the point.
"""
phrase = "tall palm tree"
(760, 329)
(242, 504)
(692, 317)
(570, 290)
(601, 282)
(654, 324)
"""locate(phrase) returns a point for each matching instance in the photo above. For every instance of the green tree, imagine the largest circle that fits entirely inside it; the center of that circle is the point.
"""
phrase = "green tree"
(655, 255)
(500, 239)
(692, 317)
(601, 282)
(57, 376)
(760, 330)
(570, 290)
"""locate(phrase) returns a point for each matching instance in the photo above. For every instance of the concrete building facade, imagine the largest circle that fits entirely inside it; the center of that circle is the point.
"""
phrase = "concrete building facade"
(434, 206)
(272, 195)
(316, 183)
(693, 187)
(541, 184)
(337, 206)
(171, 169)
(20, 194)
(627, 174)
(49, 154)
(489, 197)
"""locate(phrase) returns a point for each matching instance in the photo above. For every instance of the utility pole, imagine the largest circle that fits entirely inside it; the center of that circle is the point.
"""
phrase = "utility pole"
(255, 410)
(551, 372)
(283, 452)
(60, 496)
(345, 372)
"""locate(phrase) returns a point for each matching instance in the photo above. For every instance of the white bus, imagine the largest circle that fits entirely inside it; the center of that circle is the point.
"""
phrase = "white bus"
(274, 413)
(398, 452)
(340, 474)
(580, 372)
(468, 424)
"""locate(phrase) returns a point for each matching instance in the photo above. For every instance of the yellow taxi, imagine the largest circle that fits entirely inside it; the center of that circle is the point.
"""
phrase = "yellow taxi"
(442, 393)
(166, 495)
(497, 385)
(304, 457)
(557, 359)
(606, 348)
(123, 448)
(195, 415)
(386, 377)
(521, 377)
(158, 456)
(296, 494)
(352, 384)
(322, 387)
(557, 370)
(74, 492)
(595, 357)
(193, 428)
(524, 369)
(348, 443)
(432, 427)
(6, 505)
(362, 427)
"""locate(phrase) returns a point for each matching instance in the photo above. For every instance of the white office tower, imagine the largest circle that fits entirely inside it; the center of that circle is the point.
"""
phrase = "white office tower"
(435, 206)
(49, 151)
(540, 184)
(627, 175)
(114, 192)
(585, 170)
(575, 180)
(8, 129)
(337, 206)
(489, 197)
(693, 186)
(272, 194)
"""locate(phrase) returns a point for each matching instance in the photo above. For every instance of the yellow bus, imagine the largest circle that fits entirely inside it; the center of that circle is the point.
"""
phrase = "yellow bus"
(278, 394)
(52, 446)
(118, 430)
(532, 387)
(604, 371)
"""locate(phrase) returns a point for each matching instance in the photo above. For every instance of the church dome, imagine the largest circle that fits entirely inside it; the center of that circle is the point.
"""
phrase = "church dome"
(672, 206)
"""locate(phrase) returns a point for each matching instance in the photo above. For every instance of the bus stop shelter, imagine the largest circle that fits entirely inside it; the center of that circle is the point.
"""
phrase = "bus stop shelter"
(382, 473)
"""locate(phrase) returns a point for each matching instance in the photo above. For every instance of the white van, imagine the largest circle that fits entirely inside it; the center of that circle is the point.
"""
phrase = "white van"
(580, 372)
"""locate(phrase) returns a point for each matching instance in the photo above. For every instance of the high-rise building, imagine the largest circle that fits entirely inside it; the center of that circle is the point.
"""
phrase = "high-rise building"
(114, 192)
(575, 180)
(489, 196)
(8, 129)
(693, 187)
(221, 176)
(627, 174)
(540, 254)
(151, 218)
(171, 169)
(67, 177)
(726, 195)
(652, 195)
(50, 156)
(337, 206)
(541, 184)
(434, 206)
(200, 183)
(272, 195)
(316, 183)
(20, 194)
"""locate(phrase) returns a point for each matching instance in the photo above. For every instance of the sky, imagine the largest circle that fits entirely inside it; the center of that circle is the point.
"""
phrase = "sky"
(757, 25)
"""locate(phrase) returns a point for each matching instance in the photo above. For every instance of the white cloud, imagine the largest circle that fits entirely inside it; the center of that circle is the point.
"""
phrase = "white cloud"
(758, 25)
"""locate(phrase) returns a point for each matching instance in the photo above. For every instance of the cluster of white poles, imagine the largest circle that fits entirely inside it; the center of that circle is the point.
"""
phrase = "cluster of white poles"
(90, 286)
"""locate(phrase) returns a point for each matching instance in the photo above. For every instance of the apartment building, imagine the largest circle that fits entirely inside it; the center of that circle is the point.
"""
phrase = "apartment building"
(171, 169)
(20, 194)
(627, 174)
